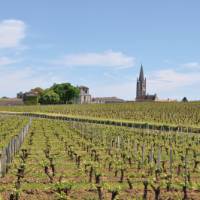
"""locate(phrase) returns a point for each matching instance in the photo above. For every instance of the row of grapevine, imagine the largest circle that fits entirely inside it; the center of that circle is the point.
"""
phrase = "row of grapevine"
(72, 160)
(10, 150)
(171, 113)
(139, 125)
(9, 127)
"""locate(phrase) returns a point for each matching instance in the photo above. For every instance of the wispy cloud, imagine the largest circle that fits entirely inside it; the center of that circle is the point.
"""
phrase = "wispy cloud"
(6, 61)
(12, 32)
(24, 79)
(191, 65)
(169, 79)
(104, 59)
(167, 83)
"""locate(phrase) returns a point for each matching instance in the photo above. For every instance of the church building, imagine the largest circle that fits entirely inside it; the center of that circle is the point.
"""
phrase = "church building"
(141, 89)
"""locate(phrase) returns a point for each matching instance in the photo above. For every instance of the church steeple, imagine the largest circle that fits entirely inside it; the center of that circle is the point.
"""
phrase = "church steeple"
(141, 88)
(141, 77)
(141, 85)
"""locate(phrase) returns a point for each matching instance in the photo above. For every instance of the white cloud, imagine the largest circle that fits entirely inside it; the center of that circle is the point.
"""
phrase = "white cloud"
(168, 83)
(6, 61)
(11, 33)
(172, 79)
(24, 79)
(191, 65)
(104, 59)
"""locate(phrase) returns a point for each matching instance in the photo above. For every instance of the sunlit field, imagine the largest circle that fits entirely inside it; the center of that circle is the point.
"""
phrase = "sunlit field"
(175, 113)
(78, 160)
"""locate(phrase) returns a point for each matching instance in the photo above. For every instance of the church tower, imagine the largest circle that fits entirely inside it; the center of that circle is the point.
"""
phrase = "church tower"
(141, 86)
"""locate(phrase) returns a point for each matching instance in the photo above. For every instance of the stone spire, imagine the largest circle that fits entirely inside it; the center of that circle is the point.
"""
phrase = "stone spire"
(141, 77)
(141, 85)
(141, 88)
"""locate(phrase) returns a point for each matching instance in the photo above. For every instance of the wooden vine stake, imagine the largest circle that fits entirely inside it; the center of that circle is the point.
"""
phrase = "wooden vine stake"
(118, 142)
(143, 149)
(151, 155)
(159, 158)
(170, 159)
(185, 197)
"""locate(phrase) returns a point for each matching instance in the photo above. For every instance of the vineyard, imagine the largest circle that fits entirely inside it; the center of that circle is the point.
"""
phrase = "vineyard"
(171, 113)
(72, 160)
(9, 127)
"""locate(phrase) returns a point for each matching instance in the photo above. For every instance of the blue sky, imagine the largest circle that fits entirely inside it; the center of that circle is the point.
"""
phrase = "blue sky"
(101, 44)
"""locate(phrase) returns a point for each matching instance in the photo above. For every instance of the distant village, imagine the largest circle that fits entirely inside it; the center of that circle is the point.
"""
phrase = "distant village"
(85, 96)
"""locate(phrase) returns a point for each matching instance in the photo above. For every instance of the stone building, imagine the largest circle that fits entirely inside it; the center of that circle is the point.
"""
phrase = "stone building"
(141, 89)
(20, 95)
(102, 100)
(84, 96)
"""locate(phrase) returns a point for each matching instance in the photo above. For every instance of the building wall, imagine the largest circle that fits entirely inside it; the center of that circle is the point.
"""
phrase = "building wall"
(104, 100)
(84, 91)
(85, 99)
(84, 96)
(141, 88)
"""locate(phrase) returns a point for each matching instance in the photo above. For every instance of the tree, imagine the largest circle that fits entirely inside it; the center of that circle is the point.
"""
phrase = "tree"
(184, 99)
(30, 99)
(39, 91)
(49, 97)
(66, 92)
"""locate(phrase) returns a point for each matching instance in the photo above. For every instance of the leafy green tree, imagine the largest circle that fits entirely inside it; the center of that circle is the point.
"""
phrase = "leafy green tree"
(30, 100)
(49, 97)
(66, 92)
(37, 90)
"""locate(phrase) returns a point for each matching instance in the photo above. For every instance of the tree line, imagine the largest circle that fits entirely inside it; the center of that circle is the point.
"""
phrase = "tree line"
(63, 93)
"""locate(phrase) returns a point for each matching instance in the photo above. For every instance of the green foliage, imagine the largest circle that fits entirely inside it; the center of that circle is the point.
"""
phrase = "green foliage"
(63, 186)
(37, 90)
(113, 187)
(30, 100)
(49, 97)
(59, 94)
(10, 126)
(66, 92)
(162, 114)
(98, 145)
